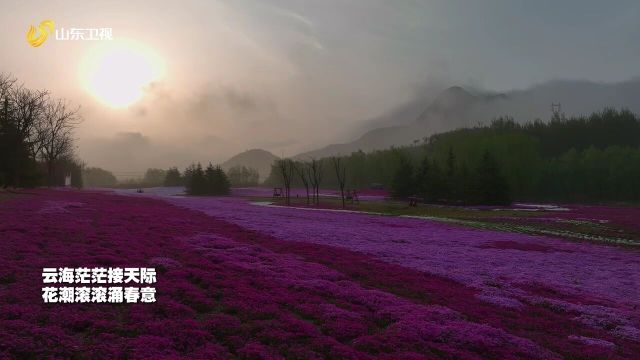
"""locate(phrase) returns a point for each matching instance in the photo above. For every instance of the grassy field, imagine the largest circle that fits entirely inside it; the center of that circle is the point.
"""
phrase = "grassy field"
(6, 195)
(542, 222)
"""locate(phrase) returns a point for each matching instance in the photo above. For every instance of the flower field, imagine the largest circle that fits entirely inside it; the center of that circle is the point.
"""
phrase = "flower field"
(236, 280)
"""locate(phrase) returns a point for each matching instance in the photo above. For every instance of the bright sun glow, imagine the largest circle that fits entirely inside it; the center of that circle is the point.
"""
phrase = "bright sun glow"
(117, 72)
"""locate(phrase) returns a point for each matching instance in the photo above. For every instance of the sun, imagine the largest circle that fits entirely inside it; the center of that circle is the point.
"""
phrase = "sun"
(116, 73)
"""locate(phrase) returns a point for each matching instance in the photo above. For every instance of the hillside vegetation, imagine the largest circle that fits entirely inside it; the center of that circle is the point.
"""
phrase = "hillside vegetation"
(585, 158)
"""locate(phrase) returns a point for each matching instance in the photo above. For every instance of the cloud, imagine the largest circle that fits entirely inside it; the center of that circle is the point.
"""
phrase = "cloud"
(176, 129)
(266, 144)
(131, 138)
(292, 15)
(294, 75)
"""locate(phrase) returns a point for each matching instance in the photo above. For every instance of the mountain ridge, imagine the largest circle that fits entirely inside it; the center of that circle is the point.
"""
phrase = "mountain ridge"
(457, 107)
(258, 159)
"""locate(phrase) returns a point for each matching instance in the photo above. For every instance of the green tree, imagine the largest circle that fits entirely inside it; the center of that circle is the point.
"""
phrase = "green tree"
(196, 180)
(217, 182)
(450, 183)
(422, 179)
(243, 176)
(173, 177)
(492, 188)
(403, 184)
(97, 177)
(154, 177)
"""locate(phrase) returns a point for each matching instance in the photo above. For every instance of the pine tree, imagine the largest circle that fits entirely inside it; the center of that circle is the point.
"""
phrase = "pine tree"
(403, 184)
(196, 180)
(450, 183)
(423, 178)
(464, 190)
(492, 188)
(223, 185)
(211, 180)
(435, 186)
(173, 177)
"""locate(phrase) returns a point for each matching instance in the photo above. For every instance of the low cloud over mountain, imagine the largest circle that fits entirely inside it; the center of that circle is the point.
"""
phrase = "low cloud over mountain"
(457, 107)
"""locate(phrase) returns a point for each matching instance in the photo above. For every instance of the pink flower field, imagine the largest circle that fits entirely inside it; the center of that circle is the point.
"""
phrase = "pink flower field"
(238, 280)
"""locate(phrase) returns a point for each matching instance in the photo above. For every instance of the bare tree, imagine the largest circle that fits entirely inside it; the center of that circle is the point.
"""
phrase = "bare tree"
(33, 127)
(56, 133)
(315, 177)
(301, 170)
(6, 84)
(341, 174)
(27, 108)
(286, 167)
(8, 138)
(21, 115)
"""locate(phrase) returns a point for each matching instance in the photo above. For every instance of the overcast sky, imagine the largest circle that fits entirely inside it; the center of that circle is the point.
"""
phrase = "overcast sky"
(292, 75)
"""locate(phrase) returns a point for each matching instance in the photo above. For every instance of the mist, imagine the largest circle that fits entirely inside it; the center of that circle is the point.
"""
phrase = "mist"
(292, 76)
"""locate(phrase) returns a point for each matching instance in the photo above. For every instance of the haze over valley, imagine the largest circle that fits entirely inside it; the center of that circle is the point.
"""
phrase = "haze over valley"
(293, 78)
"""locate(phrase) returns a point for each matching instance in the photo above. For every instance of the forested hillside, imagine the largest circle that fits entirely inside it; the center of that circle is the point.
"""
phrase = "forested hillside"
(588, 158)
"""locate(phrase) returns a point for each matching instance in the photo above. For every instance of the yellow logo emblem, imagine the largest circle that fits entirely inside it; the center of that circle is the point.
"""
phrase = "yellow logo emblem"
(37, 36)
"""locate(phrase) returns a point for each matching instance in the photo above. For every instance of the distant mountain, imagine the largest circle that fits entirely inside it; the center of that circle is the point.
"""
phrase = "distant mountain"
(447, 111)
(258, 159)
(457, 107)
(452, 109)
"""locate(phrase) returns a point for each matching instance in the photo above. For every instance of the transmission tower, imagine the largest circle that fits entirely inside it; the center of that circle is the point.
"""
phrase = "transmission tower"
(556, 109)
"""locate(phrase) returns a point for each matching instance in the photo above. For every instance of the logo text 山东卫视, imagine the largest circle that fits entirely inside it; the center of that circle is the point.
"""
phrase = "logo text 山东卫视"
(36, 36)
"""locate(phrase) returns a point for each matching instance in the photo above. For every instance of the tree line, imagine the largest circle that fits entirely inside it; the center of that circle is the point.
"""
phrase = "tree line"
(452, 182)
(242, 176)
(36, 137)
(583, 158)
(196, 179)
(239, 176)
